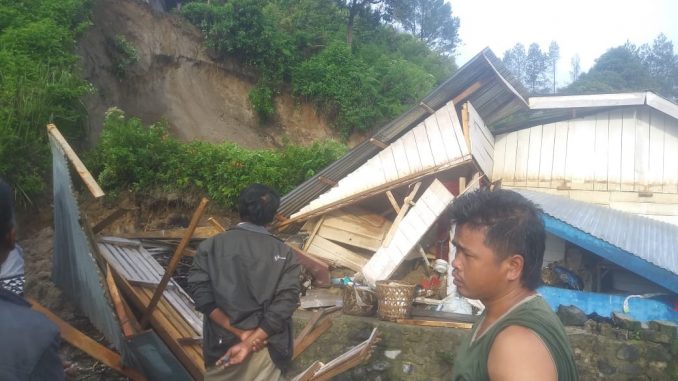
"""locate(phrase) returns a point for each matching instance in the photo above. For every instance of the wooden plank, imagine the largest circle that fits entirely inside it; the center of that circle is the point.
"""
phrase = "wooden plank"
(600, 163)
(548, 137)
(388, 165)
(392, 200)
(384, 262)
(465, 120)
(655, 179)
(534, 156)
(189, 356)
(423, 146)
(348, 360)
(310, 238)
(306, 213)
(435, 141)
(335, 254)
(455, 146)
(509, 172)
(412, 152)
(642, 151)
(303, 342)
(400, 158)
(628, 150)
(201, 232)
(174, 262)
(560, 154)
(349, 238)
(401, 214)
(522, 152)
(83, 342)
(670, 180)
(318, 269)
(614, 154)
(307, 374)
(481, 140)
(83, 172)
(213, 221)
(118, 303)
(499, 157)
(112, 217)
(435, 323)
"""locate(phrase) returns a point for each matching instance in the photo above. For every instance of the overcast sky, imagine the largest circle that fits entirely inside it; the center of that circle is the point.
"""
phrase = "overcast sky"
(584, 27)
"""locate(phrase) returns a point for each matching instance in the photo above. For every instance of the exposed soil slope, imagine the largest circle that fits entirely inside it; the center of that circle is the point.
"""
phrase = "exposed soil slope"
(176, 80)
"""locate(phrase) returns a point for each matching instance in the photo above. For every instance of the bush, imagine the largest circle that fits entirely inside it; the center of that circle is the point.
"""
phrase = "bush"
(133, 157)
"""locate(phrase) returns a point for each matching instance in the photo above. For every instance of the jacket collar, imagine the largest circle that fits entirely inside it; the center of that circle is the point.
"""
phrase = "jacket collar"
(252, 227)
(11, 297)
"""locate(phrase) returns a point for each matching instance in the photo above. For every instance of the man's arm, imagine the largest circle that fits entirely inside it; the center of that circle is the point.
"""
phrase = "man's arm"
(520, 354)
(200, 287)
(286, 298)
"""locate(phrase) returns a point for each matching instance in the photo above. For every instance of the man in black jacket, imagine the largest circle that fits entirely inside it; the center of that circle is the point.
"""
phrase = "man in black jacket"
(29, 341)
(246, 283)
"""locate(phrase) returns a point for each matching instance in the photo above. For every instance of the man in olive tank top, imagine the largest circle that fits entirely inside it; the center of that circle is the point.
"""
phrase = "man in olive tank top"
(500, 240)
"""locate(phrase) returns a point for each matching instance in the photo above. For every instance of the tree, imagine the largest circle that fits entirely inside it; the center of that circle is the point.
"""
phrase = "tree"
(530, 68)
(553, 57)
(575, 65)
(662, 65)
(355, 7)
(515, 60)
(431, 21)
(617, 70)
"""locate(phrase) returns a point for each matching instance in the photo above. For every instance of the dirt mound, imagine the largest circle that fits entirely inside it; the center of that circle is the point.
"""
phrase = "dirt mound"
(176, 80)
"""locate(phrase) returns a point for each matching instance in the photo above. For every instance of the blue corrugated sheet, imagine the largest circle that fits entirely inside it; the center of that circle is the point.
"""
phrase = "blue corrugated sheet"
(642, 245)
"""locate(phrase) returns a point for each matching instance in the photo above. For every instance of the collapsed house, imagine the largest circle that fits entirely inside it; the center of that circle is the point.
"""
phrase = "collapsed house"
(602, 167)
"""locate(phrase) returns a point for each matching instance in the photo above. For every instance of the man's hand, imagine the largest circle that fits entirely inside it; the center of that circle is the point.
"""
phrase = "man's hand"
(235, 355)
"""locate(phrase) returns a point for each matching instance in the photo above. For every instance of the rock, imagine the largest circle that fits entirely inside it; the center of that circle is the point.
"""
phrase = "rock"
(628, 353)
(380, 366)
(657, 353)
(407, 368)
(625, 321)
(393, 354)
(591, 326)
(655, 336)
(606, 330)
(605, 368)
(674, 346)
(571, 315)
(666, 327)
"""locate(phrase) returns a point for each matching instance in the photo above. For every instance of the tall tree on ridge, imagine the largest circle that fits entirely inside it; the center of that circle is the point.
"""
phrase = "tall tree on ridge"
(553, 57)
(575, 68)
(355, 7)
(662, 64)
(431, 21)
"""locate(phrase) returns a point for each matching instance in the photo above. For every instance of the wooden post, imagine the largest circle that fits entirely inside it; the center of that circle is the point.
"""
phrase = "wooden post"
(393, 201)
(216, 224)
(77, 163)
(86, 344)
(401, 214)
(465, 125)
(174, 262)
(118, 303)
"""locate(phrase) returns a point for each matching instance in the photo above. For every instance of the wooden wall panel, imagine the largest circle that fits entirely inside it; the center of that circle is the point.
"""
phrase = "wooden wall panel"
(601, 147)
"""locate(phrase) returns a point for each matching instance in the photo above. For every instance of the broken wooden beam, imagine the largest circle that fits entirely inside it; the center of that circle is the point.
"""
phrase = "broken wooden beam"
(174, 262)
(101, 225)
(83, 172)
(119, 304)
(318, 269)
(86, 344)
(401, 214)
(435, 323)
(301, 343)
(307, 374)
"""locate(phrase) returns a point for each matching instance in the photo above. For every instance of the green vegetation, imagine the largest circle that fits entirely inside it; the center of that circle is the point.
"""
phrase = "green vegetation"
(302, 45)
(38, 85)
(124, 55)
(131, 156)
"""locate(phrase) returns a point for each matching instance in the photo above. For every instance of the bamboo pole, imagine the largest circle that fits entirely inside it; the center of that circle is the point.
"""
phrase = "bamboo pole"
(174, 262)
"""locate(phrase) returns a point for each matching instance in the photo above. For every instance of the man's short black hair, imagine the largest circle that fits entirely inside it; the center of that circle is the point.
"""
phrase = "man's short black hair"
(513, 226)
(258, 204)
(6, 209)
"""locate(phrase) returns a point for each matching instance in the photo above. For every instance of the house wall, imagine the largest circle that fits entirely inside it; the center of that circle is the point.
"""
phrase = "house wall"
(626, 159)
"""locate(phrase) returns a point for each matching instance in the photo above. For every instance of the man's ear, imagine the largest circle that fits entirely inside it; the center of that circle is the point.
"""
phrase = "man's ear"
(515, 265)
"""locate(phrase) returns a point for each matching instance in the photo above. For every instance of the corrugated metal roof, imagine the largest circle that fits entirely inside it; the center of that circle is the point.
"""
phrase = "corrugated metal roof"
(483, 81)
(653, 241)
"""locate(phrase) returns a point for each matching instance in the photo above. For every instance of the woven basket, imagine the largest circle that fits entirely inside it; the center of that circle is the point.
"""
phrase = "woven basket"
(395, 300)
(359, 301)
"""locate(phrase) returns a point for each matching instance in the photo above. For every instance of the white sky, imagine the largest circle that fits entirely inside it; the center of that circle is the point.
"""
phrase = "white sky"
(585, 27)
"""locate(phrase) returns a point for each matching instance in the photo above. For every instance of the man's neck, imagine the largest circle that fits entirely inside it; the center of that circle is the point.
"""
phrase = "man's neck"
(500, 304)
